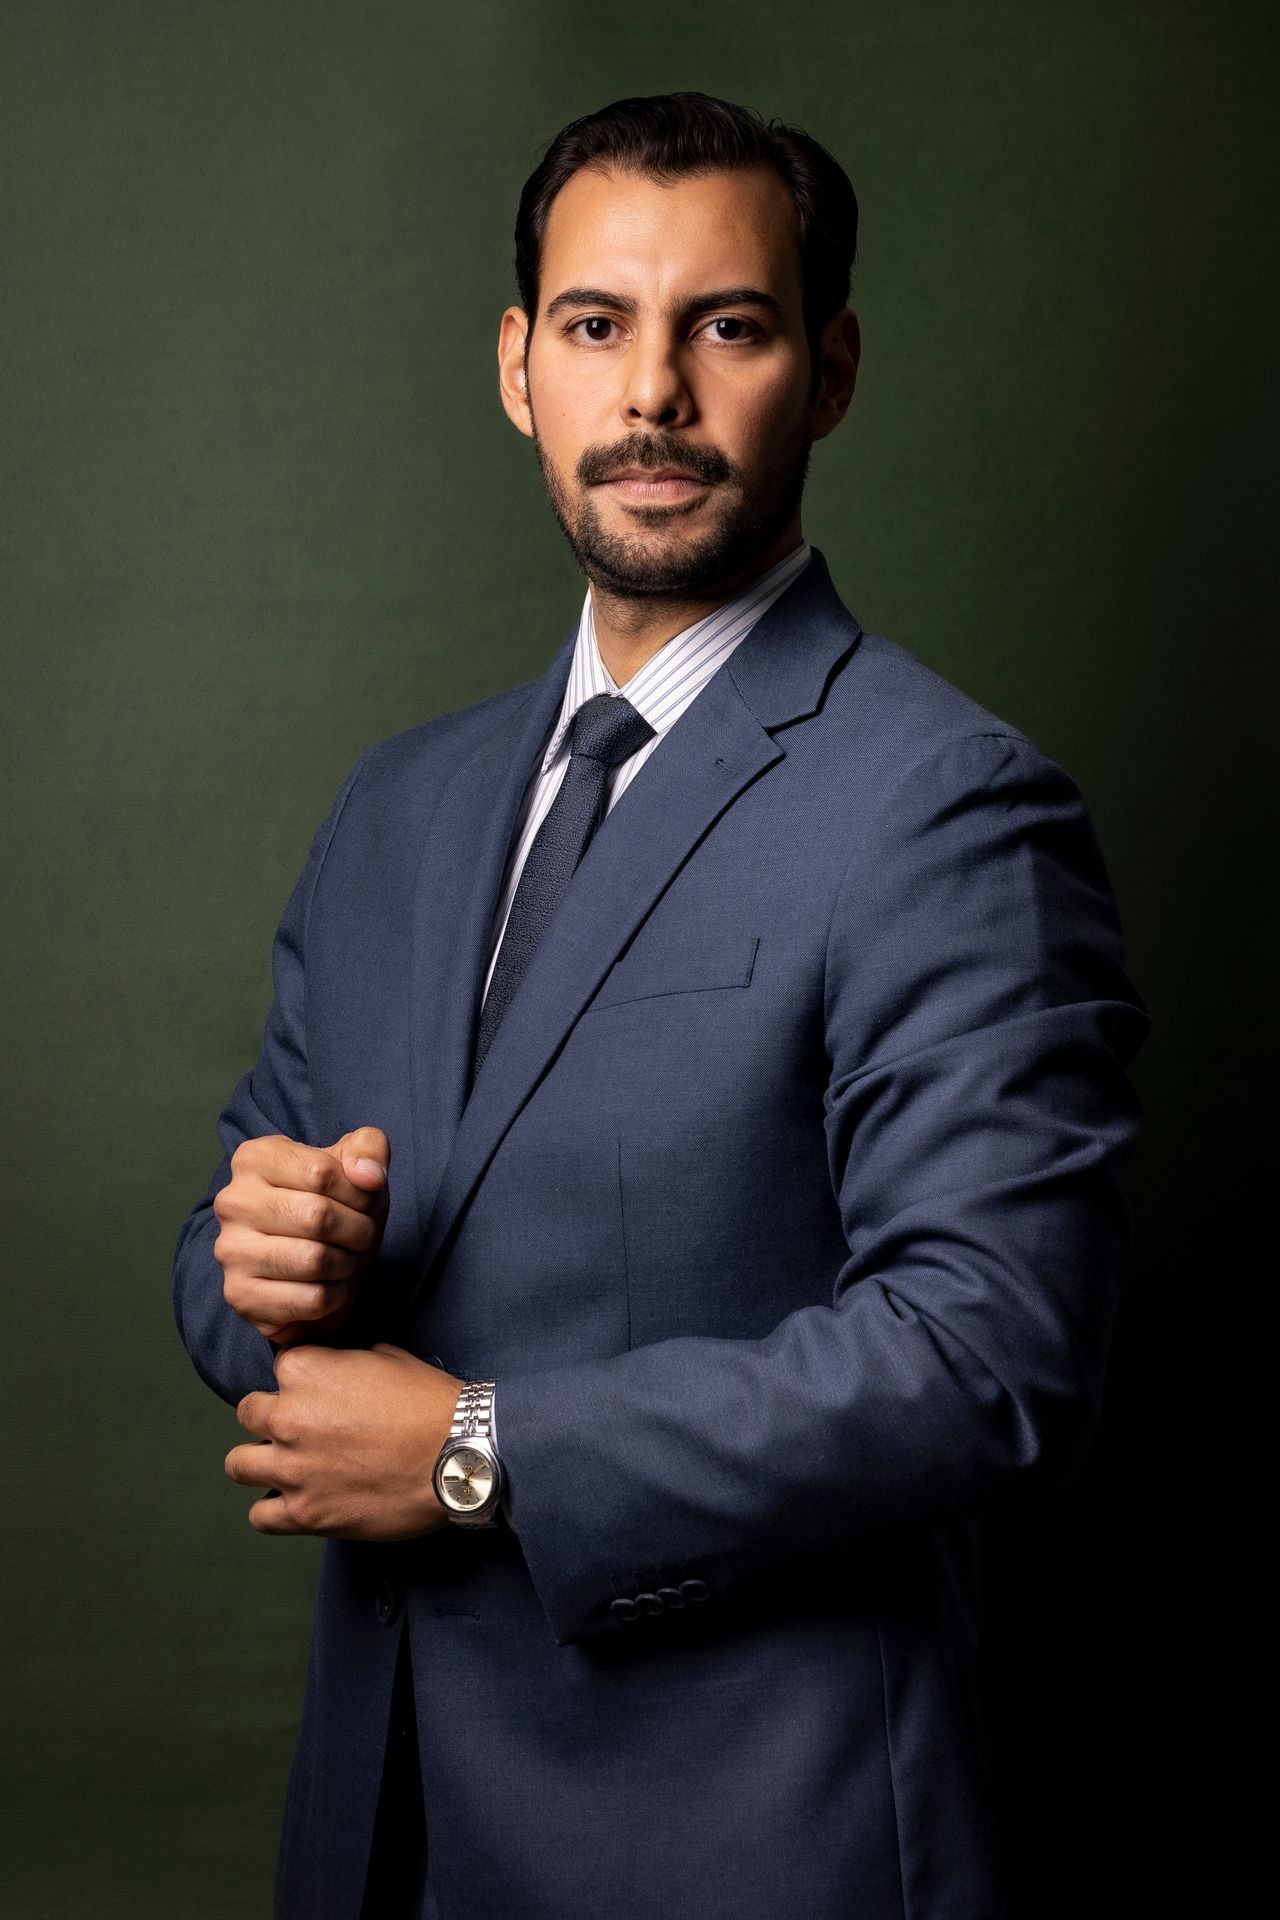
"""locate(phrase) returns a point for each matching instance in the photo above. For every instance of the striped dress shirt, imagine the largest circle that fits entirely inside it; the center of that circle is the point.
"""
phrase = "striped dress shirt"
(660, 691)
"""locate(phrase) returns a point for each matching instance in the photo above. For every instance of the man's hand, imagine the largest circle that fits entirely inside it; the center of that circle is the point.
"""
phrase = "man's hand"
(299, 1226)
(348, 1441)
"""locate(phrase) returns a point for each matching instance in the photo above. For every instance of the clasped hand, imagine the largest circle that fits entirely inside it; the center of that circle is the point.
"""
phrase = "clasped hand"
(347, 1442)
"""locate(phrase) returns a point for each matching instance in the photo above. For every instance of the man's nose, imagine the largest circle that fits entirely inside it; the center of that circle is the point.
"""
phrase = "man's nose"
(656, 389)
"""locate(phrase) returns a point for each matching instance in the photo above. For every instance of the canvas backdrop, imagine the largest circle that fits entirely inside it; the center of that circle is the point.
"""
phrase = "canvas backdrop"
(261, 508)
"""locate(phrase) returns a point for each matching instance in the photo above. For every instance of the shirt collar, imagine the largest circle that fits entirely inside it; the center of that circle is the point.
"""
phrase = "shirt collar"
(588, 675)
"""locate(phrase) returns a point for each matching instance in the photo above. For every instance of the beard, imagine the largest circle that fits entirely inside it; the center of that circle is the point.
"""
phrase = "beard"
(756, 509)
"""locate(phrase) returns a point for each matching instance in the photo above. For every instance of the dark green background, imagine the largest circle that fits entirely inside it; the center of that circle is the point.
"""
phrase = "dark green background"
(261, 508)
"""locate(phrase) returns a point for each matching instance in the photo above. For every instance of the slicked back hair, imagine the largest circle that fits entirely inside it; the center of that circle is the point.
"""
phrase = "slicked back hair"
(663, 136)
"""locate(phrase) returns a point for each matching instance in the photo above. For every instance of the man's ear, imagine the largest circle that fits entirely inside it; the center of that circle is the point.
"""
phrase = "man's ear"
(841, 351)
(513, 373)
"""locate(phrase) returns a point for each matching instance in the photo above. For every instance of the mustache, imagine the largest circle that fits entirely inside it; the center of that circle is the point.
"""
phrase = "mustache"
(598, 464)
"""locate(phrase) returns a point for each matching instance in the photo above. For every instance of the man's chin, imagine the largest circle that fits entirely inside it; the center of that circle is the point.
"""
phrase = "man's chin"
(662, 554)
(631, 575)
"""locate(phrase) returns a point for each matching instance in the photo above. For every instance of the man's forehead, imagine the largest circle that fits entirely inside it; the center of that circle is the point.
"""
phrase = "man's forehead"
(648, 238)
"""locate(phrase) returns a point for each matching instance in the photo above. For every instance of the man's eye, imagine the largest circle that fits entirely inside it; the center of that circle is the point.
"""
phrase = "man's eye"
(743, 330)
(722, 319)
(592, 321)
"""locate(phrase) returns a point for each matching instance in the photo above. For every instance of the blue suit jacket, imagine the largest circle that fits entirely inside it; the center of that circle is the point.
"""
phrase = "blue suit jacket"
(786, 1210)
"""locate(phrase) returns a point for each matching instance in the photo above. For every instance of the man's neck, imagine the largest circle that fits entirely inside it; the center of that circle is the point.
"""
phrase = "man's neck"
(631, 628)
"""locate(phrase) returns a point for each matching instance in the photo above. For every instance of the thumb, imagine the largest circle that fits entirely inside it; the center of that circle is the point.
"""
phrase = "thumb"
(365, 1155)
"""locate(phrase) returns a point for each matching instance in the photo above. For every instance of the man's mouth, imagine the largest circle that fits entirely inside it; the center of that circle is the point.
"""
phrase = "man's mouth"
(655, 486)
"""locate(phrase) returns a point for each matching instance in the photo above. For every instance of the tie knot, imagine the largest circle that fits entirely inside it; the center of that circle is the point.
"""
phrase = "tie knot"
(608, 728)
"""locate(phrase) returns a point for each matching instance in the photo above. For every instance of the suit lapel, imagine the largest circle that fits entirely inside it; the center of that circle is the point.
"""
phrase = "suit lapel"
(720, 744)
(455, 897)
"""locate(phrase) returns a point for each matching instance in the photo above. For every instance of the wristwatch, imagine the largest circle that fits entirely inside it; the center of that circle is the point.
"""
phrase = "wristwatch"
(467, 1476)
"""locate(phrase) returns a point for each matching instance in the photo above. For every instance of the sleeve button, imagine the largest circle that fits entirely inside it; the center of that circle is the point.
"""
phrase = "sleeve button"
(625, 1609)
(695, 1589)
(671, 1596)
(649, 1603)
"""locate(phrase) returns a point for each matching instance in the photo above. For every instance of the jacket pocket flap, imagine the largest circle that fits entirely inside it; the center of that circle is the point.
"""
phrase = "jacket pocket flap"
(705, 963)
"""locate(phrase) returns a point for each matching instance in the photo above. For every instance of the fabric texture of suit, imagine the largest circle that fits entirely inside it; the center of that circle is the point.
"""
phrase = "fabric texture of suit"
(787, 1213)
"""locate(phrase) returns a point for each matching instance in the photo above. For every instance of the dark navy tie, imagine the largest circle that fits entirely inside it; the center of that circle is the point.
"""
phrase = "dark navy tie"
(605, 731)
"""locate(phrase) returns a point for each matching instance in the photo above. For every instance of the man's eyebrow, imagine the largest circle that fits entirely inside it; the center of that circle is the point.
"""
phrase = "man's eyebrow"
(684, 309)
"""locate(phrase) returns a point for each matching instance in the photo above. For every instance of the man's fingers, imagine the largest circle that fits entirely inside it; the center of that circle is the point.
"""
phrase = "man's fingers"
(289, 1333)
(272, 1516)
(301, 1169)
(254, 1466)
(280, 1256)
(273, 1282)
(273, 1307)
(365, 1155)
(254, 1413)
(296, 1232)
(315, 1216)
(251, 1201)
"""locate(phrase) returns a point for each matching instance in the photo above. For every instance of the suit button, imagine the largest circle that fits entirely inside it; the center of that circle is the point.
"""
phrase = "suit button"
(649, 1603)
(695, 1589)
(387, 1604)
(671, 1596)
(625, 1609)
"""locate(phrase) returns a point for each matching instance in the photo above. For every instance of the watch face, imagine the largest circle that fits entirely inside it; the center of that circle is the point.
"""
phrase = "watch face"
(466, 1479)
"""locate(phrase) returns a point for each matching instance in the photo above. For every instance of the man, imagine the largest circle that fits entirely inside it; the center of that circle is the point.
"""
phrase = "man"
(686, 1143)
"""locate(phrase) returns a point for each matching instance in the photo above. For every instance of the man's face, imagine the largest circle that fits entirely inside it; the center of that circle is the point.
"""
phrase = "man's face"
(668, 377)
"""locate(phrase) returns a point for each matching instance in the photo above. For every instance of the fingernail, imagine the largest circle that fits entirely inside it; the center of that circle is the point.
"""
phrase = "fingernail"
(370, 1167)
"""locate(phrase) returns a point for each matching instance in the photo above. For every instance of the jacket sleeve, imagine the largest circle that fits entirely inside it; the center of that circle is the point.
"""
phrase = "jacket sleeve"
(979, 1024)
(273, 1097)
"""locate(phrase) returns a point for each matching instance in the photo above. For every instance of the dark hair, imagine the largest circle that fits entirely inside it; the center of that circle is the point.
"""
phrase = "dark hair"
(664, 135)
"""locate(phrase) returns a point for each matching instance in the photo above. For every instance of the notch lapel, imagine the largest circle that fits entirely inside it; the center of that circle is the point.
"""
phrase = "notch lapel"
(720, 744)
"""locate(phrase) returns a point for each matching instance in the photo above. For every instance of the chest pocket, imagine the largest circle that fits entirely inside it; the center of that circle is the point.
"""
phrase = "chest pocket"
(706, 964)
